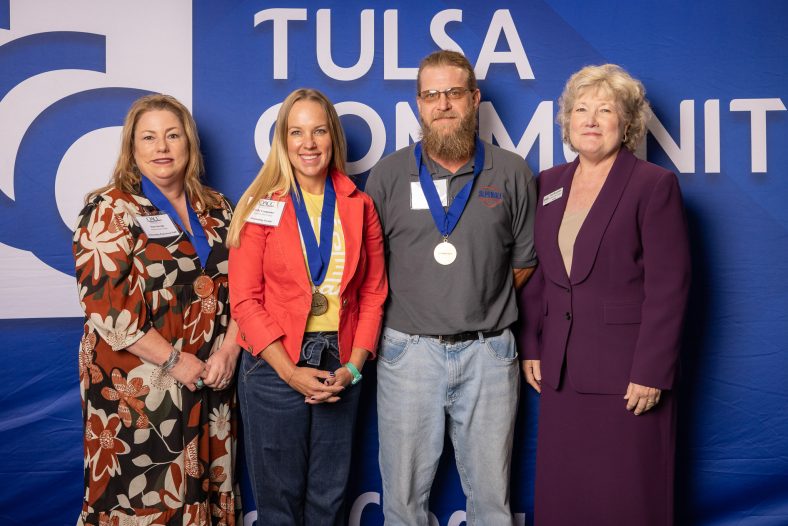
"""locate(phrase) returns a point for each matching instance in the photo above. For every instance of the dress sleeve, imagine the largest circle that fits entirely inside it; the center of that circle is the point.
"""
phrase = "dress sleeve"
(374, 287)
(666, 262)
(257, 329)
(109, 277)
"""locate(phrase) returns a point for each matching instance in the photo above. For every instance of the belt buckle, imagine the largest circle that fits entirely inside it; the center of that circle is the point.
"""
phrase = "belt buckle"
(451, 339)
(448, 339)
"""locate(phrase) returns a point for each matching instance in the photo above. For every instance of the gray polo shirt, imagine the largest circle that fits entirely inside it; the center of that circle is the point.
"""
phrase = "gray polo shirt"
(494, 235)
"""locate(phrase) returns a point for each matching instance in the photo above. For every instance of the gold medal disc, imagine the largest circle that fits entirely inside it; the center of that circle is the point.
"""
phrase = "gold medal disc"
(319, 304)
(203, 286)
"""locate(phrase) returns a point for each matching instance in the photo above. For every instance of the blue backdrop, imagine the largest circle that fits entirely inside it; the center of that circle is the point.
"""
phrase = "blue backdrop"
(717, 77)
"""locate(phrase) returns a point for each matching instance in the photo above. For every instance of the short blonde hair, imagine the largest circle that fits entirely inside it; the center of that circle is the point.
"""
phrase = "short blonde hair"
(447, 57)
(126, 176)
(628, 93)
(276, 176)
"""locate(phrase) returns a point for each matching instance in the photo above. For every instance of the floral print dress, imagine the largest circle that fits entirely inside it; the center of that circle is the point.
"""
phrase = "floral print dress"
(155, 452)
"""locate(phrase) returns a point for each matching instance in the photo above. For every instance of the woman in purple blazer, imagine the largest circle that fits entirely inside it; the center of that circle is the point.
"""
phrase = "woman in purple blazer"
(604, 314)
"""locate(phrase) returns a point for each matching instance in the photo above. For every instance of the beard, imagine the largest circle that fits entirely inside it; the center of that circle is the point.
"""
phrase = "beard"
(455, 145)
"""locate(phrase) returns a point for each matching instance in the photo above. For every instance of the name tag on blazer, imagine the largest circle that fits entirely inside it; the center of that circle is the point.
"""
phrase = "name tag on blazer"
(552, 196)
(267, 212)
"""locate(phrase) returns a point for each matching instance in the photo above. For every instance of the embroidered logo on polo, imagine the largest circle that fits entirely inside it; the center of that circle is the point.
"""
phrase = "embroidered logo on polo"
(490, 196)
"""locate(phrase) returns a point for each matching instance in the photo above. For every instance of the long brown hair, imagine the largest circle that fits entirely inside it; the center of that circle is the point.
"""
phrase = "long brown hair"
(276, 175)
(126, 176)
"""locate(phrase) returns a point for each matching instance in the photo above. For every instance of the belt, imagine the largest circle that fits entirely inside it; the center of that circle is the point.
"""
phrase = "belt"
(451, 339)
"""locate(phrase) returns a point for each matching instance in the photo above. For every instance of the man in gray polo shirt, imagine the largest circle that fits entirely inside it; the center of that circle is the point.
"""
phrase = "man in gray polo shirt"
(457, 216)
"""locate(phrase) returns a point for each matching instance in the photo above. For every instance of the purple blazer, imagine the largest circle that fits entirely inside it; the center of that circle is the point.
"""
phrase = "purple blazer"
(618, 317)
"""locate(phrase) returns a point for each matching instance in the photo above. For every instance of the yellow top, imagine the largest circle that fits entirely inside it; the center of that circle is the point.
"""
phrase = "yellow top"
(330, 286)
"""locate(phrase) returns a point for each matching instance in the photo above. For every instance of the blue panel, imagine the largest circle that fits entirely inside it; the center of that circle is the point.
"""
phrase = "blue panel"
(732, 464)
(41, 424)
(28, 56)
(738, 220)
(5, 14)
(43, 146)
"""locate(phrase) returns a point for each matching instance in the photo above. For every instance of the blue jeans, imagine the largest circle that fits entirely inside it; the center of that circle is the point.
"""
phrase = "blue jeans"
(425, 386)
(298, 455)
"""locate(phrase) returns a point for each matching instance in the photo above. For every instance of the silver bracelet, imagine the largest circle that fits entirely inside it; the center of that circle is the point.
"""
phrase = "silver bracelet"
(175, 355)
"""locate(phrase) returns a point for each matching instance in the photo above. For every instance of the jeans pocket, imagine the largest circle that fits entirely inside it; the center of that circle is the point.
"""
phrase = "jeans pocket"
(393, 345)
(249, 363)
(502, 347)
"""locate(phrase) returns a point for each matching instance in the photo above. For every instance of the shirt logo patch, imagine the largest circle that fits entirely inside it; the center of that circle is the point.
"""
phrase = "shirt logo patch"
(490, 196)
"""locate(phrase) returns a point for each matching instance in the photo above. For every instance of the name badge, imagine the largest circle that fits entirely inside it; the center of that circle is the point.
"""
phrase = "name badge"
(158, 226)
(552, 196)
(418, 201)
(267, 212)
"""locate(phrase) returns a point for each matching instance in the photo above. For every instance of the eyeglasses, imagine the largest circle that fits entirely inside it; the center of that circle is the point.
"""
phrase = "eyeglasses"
(433, 95)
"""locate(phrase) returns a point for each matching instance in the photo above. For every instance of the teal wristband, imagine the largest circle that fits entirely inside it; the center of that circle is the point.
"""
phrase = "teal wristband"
(356, 375)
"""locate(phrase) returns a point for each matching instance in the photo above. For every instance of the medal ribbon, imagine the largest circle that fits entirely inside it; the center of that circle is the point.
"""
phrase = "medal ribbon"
(198, 239)
(447, 220)
(317, 257)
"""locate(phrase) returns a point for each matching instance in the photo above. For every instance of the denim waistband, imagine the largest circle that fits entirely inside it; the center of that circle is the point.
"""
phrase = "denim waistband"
(315, 343)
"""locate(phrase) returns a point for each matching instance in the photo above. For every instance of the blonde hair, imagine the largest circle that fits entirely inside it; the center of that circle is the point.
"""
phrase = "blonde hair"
(126, 176)
(276, 175)
(628, 93)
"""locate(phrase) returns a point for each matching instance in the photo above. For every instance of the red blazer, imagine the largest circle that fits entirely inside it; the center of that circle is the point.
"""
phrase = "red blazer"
(618, 317)
(270, 289)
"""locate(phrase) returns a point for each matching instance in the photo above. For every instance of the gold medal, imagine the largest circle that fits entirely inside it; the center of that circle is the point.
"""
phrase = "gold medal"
(203, 286)
(319, 303)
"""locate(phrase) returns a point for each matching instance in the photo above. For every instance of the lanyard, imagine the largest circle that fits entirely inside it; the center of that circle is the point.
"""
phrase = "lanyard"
(447, 220)
(317, 257)
(197, 237)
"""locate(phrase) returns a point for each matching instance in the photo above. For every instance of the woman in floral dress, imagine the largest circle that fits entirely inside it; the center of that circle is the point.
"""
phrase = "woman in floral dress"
(158, 354)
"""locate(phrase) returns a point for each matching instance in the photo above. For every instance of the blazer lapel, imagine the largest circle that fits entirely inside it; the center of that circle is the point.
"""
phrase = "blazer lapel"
(590, 235)
(351, 215)
(550, 221)
(290, 245)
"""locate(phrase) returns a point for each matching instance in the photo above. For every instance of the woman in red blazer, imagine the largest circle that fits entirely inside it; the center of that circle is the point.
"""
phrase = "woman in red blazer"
(307, 287)
(604, 314)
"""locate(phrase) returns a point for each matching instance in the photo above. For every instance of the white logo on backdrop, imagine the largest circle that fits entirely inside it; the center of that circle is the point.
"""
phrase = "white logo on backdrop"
(147, 47)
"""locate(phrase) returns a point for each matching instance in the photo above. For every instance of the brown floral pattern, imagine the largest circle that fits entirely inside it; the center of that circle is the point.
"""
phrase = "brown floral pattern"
(155, 453)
